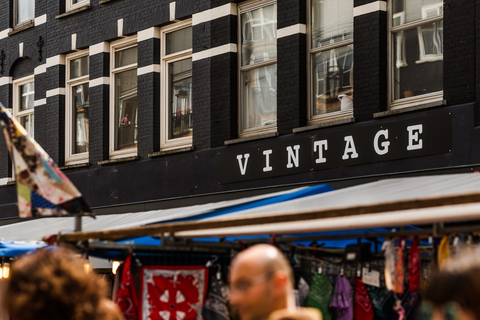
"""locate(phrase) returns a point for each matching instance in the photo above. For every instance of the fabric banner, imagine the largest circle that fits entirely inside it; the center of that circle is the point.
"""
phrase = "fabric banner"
(173, 293)
(42, 188)
(126, 297)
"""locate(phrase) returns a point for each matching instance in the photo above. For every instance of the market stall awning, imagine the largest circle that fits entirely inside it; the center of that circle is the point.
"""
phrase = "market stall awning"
(34, 230)
(13, 249)
(392, 202)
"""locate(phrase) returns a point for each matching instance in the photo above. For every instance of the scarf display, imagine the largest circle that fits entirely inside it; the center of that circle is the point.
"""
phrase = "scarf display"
(126, 297)
(414, 267)
(363, 305)
(443, 251)
(389, 252)
(320, 295)
(216, 305)
(398, 282)
(342, 302)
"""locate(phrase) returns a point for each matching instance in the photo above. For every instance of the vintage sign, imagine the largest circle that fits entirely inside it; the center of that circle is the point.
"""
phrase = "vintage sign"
(337, 148)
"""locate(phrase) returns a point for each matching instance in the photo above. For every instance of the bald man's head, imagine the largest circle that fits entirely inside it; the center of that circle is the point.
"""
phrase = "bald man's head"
(261, 282)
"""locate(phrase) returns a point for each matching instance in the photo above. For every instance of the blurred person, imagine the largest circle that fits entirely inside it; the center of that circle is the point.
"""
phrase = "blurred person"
(53, 284)
(453, 293)
(261, 286)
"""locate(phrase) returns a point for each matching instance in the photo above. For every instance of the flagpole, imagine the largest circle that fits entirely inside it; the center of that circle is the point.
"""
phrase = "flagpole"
(78, 223)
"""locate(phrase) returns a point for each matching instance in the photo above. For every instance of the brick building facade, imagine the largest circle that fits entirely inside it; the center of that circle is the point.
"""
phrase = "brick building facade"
(224, 99)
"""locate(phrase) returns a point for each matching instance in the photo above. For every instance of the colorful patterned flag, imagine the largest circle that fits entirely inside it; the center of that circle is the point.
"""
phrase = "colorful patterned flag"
(42, 188)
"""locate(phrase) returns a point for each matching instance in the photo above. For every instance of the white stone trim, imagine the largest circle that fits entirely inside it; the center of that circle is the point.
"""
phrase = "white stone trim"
(40, 69)
(40, 102)
(120, 27)
(74, 41)
(291, 30)
(40, 20)
(148, 69)
(99, 82)
(4, 33)
(369, 8)
(4, 181)
(172, 10)
(102, 47)
(20, 49)
(55, 60)
(55, 92)
(5, 80)
(226, 48)
(215, 13)
(149, 33)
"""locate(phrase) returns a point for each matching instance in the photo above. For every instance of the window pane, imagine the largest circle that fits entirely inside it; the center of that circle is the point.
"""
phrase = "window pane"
(180, 83)
(405, 11)
(125, 57)
(418, 51)
(179, 40)
(332, 21)
(76, 1)
(27, 122)
(25, 10)
(259, 35)
(333, 80)
(26, 98)
(80, 107)
(126, 109)
(259, 97)
(79, 67)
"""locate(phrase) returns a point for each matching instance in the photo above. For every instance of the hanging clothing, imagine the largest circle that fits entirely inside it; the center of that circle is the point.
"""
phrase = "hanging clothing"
(382, 300)
(389, 249)
(398, 283)
(216, 305)
(320, 295)
(443, 251)
(126, 297)
(363, 304)
(414, 267)
(302, 292)
(342, 302)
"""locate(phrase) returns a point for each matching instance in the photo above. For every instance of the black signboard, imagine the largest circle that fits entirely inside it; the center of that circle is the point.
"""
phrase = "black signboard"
(330, 149)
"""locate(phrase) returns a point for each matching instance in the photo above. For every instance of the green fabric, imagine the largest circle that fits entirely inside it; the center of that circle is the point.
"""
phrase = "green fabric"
(320, 294)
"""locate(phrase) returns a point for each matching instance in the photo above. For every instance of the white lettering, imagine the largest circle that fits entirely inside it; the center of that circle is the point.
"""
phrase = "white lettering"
(349, 147)
(320, 146)
(267, 154)
(414, 142)
(243, 167)
(292, 156)
(384, 144)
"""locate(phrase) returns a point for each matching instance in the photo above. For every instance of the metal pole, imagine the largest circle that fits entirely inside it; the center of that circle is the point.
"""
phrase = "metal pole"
(78, 223)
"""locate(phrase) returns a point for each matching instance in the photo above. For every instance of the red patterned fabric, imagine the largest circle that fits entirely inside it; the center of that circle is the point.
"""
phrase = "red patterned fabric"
(399, 268)
(127, 297)
(414, 267)
(363, 305)
(173, 293)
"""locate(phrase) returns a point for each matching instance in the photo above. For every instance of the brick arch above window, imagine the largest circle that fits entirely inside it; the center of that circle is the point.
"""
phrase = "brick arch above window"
(22, 67)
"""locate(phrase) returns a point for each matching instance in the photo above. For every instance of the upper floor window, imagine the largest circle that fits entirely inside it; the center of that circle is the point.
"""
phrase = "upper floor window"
(74, 4)
(417, 49)
(258, 67)
(176, 86)
(77, 108)
(331, 59)
(23, 102)
(24, 10)
(123, 98)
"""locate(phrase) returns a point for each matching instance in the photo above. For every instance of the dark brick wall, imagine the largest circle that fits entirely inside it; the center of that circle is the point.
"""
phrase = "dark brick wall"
(459, 51)
(370, 65)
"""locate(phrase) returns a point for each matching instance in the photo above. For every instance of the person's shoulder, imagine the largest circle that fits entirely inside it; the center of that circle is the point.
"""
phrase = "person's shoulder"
(296, 314)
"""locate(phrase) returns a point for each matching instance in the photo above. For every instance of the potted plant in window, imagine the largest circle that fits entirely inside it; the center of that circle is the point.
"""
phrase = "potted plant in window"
(406, 87)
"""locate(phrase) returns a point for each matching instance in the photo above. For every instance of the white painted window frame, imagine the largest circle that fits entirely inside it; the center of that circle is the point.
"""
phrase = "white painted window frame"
(17, 113)
(415, 100)
(165, 142)
(69, 6)
(15, 14)
(70, 157)
(242, 8)
(314, 119)
(115, 46)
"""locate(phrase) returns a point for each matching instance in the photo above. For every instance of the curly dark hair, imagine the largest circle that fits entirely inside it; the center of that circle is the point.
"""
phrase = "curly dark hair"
(52, 284)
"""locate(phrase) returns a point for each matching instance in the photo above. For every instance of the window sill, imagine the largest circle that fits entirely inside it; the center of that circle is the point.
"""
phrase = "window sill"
(23, 26)
(73, 11)
(165, 152)
(325, 124)
(77, 165)
(119, 160)
(251, 138)
(420, 106)
(104, 1)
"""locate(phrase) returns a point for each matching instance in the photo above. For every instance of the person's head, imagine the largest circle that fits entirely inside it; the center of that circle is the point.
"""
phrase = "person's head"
(261, 281)
(52, 284)
(453, 292)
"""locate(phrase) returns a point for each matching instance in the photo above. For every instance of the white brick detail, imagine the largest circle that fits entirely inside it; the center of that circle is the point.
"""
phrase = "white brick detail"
(231, 47)
(120, 27)
(40, 69)
(172, 11)
(55, 60)
(99, 48)
(215, 13)
(5, 80)
(55, 92)
(369, 8)
(40, 20)
(291, 30)
(4, 33)
(148, 69)
(74, 41)
(99, 82)
(148, 34)
(39, 102)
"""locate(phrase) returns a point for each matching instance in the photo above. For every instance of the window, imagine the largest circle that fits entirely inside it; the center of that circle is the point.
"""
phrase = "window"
(331, 59)
(258, 68)
(24, 10)
(74, 4)
(77, 108)
(23, 102)
(123, 98)
(176, 88)
(417, 51)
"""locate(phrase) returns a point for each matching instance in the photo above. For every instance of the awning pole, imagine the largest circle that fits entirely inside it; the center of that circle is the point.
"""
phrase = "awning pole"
(78, 223)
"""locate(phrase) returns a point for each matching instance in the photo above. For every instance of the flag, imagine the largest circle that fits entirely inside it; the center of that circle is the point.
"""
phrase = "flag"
(42, 188)
(126, 296)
